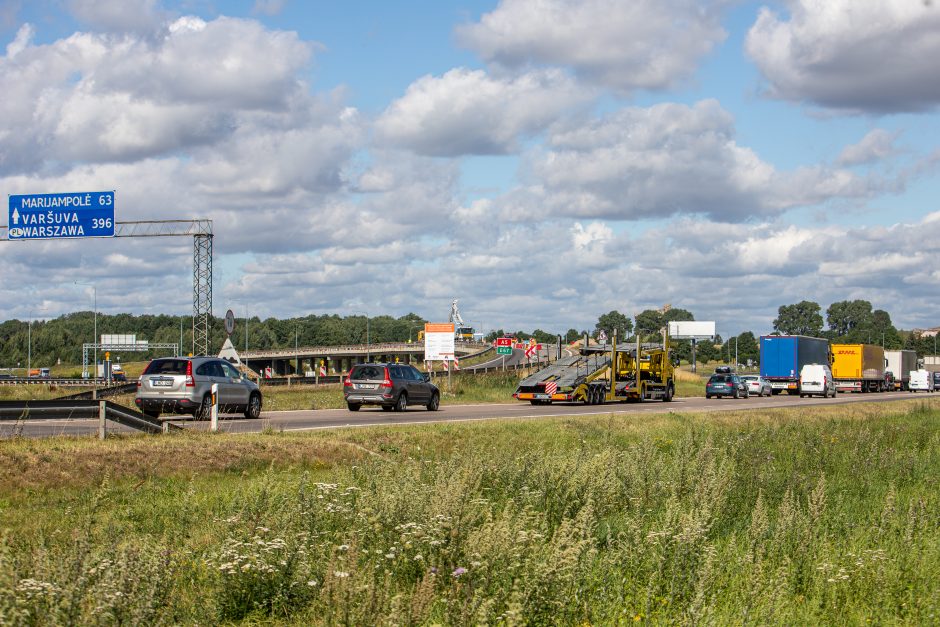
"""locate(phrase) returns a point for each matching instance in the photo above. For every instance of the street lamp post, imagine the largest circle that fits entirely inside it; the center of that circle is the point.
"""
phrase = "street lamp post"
(95, 292)
(29, 344)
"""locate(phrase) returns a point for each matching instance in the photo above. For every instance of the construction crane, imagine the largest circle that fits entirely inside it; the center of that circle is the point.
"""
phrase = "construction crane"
(462, 331)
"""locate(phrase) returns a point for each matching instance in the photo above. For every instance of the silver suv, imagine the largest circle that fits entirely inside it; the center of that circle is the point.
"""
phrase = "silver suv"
(183, 385)
(393, 386)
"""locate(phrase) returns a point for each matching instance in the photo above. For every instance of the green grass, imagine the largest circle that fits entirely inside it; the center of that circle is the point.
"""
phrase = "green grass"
(805, 516)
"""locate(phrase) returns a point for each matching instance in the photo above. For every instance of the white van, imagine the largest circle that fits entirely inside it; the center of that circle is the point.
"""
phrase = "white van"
(920, 380)
(817, 379)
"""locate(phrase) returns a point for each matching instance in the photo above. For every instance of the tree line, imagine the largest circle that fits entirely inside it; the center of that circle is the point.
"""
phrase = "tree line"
(849, 322)
(60, 340)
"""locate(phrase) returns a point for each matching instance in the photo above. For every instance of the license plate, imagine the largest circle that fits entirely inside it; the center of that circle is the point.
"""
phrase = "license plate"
(542, 397)
(366, 386)
(162, 383)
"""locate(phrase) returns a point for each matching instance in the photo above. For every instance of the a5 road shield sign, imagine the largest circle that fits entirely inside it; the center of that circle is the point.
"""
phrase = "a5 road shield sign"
(504, 346)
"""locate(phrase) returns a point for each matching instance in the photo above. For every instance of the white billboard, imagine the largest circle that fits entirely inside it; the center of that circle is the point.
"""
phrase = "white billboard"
(692, 330)
(438, 341)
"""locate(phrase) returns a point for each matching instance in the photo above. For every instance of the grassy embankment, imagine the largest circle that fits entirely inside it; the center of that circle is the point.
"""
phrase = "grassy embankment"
(805, 516)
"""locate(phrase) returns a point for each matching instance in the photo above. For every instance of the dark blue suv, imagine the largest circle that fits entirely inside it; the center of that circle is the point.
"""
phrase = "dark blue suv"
(726, 384)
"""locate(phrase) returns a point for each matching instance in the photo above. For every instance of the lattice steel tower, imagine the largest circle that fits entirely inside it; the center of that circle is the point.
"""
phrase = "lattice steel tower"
(202, 292)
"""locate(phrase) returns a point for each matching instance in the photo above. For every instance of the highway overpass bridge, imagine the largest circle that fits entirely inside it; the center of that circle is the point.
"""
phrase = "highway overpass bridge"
(339, 359)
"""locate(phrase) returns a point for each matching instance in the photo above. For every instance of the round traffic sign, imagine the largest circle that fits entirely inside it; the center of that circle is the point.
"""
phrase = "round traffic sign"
(229, 321)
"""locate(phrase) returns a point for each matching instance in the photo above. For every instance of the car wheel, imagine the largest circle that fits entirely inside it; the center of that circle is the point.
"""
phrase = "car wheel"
(735, 394)
(353, 406)
(253, 411)
(747, 394)
(402, 403)
(435, 402)
(205, 408)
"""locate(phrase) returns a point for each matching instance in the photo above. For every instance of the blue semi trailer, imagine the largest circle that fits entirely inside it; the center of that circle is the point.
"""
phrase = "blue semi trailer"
(783, 356)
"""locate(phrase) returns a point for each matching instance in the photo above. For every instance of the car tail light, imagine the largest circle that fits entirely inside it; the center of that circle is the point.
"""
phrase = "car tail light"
(189, 375)
(347, 382)
(387, 383)
(140, 381)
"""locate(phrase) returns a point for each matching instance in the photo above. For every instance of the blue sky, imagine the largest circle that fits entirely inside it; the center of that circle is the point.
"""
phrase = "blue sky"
(543, 162)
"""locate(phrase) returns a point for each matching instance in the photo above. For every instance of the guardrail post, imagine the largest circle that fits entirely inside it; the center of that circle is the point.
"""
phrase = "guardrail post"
(102, 411)
(214, 424)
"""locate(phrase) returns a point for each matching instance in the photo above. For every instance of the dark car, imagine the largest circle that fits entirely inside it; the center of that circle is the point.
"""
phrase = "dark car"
(726, 385)
(392, 386)
(936, 380)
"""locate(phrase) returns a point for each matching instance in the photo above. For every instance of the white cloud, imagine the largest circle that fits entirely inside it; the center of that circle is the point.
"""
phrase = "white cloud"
(268, 7)
(875, 146)
(645, 44)
(671, 159)
(95, 98)
(23, 39)
(875, 57)
(470, 112)
(143, 17)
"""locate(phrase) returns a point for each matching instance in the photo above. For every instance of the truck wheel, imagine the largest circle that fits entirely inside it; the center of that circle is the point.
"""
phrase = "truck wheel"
(669, 392)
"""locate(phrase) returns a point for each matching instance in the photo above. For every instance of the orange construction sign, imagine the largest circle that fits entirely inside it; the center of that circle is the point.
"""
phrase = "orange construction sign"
(438, 327)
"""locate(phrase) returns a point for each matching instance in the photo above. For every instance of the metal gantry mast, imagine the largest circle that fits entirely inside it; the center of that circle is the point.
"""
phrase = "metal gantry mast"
(201, 232)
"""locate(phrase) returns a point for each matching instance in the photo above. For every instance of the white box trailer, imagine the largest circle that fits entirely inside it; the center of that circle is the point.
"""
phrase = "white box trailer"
(901, 363)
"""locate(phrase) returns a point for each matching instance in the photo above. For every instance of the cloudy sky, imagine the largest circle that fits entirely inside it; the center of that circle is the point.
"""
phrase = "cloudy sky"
(543, 161)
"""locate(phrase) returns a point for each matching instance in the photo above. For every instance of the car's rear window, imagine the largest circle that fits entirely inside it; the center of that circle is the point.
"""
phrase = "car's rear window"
(720, 378)
(167, 366)
(367, 372)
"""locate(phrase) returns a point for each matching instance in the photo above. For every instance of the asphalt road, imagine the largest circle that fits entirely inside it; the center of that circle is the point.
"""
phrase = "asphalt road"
(308, 420)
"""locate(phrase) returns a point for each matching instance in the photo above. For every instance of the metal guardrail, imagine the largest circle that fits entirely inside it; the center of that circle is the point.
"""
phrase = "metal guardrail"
(347, 349)
(124, 388)
(81, 409)
(63, 381)
(338, 378)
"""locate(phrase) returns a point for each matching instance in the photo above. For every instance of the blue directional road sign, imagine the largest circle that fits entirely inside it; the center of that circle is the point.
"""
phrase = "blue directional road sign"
(56, 216)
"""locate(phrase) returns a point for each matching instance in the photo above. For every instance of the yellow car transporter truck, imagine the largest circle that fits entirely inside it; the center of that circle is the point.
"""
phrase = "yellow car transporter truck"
(608, 372)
